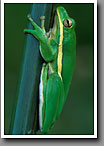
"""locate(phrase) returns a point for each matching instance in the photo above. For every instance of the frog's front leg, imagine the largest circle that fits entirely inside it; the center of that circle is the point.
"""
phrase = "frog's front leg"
(51, 98)
(47, 51)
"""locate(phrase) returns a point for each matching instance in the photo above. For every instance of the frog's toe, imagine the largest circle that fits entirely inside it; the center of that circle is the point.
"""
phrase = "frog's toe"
(29, 16)
(42, 18)
(25, 30)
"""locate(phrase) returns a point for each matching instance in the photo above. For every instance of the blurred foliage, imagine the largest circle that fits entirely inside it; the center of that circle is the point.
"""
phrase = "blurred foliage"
(77, 115)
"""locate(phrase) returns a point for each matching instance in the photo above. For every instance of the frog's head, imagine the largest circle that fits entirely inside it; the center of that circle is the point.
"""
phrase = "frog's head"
(64, 18)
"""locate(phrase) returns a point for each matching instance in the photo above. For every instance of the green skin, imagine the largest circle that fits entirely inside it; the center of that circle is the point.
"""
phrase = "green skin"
(53, 87)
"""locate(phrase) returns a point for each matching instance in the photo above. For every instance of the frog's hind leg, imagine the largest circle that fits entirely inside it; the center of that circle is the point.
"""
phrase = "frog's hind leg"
(50, 98)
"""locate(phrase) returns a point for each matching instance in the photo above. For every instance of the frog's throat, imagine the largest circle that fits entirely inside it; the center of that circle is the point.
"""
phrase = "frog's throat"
(59, 59)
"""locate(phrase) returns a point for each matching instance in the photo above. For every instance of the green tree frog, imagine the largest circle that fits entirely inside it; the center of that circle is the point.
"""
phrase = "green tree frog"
(58, 49)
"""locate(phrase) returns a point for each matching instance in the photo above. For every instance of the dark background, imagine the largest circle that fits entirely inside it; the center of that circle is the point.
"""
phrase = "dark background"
(77, 115)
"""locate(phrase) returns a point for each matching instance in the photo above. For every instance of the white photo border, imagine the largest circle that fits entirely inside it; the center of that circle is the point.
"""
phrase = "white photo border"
(2, 69)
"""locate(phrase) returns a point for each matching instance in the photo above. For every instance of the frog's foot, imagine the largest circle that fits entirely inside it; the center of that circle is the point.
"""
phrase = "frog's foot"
(33, 24)
(37, 31)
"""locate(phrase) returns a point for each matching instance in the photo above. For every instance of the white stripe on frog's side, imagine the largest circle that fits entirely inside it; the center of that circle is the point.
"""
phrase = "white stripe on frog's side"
(40, 101)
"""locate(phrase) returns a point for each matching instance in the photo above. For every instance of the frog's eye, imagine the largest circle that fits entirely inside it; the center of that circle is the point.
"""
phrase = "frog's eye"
(67, 23)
